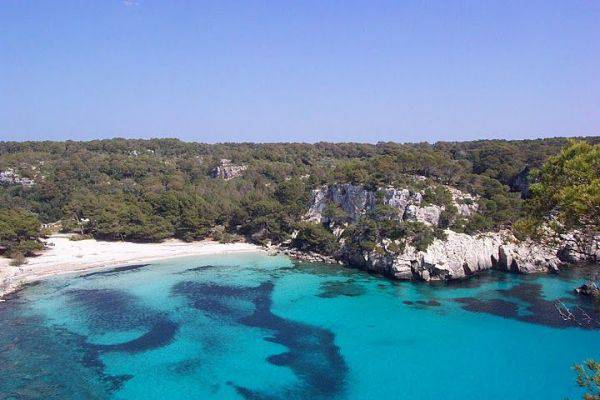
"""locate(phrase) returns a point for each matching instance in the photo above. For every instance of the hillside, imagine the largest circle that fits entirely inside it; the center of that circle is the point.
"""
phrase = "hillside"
(334, 199)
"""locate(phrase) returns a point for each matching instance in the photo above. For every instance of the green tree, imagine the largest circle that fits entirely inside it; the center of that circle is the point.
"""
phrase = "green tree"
(292, 192)
(19, 233)
(315, 237)
(569, 183)
(334, 213)
(567, 186)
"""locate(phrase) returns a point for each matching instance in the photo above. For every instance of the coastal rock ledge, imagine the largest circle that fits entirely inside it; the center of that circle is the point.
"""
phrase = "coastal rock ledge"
(589, 289)
(462, 255)
(457, 256)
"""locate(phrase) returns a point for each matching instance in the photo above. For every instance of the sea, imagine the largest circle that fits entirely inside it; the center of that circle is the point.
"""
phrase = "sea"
(254, 326)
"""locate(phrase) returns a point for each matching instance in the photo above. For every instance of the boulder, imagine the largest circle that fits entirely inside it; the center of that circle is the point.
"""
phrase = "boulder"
(589, 289)
(527, 257)
(576, 247)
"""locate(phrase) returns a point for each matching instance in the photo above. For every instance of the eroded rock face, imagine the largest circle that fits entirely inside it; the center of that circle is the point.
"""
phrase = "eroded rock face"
(429, 215)
(400, 199)
(460, 256)
(465, 203)
(579, 248)
(528, 257)
(356, 201)
(227, 170)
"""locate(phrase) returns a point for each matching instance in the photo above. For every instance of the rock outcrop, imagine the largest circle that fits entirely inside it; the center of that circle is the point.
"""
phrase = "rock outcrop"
(11, 177)
(589, 289)
(457, 256)
(356, 201)
(429, 215)
(521, 182)
(227, 170)
(528, 257)
(465, 203)
(308, 256)
(577, 247)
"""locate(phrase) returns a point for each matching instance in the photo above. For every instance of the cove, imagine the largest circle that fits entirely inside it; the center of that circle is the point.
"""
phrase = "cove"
(251, 326)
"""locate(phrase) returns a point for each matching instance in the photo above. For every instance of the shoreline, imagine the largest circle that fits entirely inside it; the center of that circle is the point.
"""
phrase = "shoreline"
(63, 256)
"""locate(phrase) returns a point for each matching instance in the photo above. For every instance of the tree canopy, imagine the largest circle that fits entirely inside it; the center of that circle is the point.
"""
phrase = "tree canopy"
(149, 190)
(568, 186)
(19, 231)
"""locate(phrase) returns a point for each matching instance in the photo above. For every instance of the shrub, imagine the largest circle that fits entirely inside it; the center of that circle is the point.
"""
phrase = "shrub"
(78, 237)
(526, 228)
(19, 231)
(335, 214)
(421, 235)
(315, 237)
(438, 195)
(17, 258)
(219, 234)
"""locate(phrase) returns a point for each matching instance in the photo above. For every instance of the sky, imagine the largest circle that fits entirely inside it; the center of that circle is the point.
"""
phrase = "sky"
(304, 71)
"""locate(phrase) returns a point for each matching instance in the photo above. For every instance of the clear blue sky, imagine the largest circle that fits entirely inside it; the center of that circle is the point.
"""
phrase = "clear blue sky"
(299, 70)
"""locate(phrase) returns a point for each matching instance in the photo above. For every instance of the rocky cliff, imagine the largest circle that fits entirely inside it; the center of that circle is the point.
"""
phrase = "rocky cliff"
(357, 201)
(456, 256)
(461, 255)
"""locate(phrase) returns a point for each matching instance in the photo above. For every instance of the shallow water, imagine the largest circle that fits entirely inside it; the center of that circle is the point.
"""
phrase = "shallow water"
(250, 326)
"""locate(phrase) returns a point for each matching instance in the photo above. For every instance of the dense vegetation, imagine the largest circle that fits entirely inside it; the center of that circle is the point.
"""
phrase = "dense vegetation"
(148, 190)
(569, 185)
(19, 231)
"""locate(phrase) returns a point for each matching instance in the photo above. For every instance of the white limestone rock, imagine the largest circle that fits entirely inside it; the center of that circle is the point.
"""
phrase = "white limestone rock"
(459, 255)
(577, 247)
(429, 215)
(356, 201)
(527, 257)
(462, 255)
(465, 203)
(227, 170)
(353, 199)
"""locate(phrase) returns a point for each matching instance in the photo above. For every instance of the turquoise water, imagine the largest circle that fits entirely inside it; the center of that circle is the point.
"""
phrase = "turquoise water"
(250, 326)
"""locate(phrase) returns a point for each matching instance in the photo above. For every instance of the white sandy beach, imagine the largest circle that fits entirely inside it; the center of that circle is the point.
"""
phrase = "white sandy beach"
(64, 256)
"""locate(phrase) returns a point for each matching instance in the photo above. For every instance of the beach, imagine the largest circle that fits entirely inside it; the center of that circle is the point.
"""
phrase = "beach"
(65, 256)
